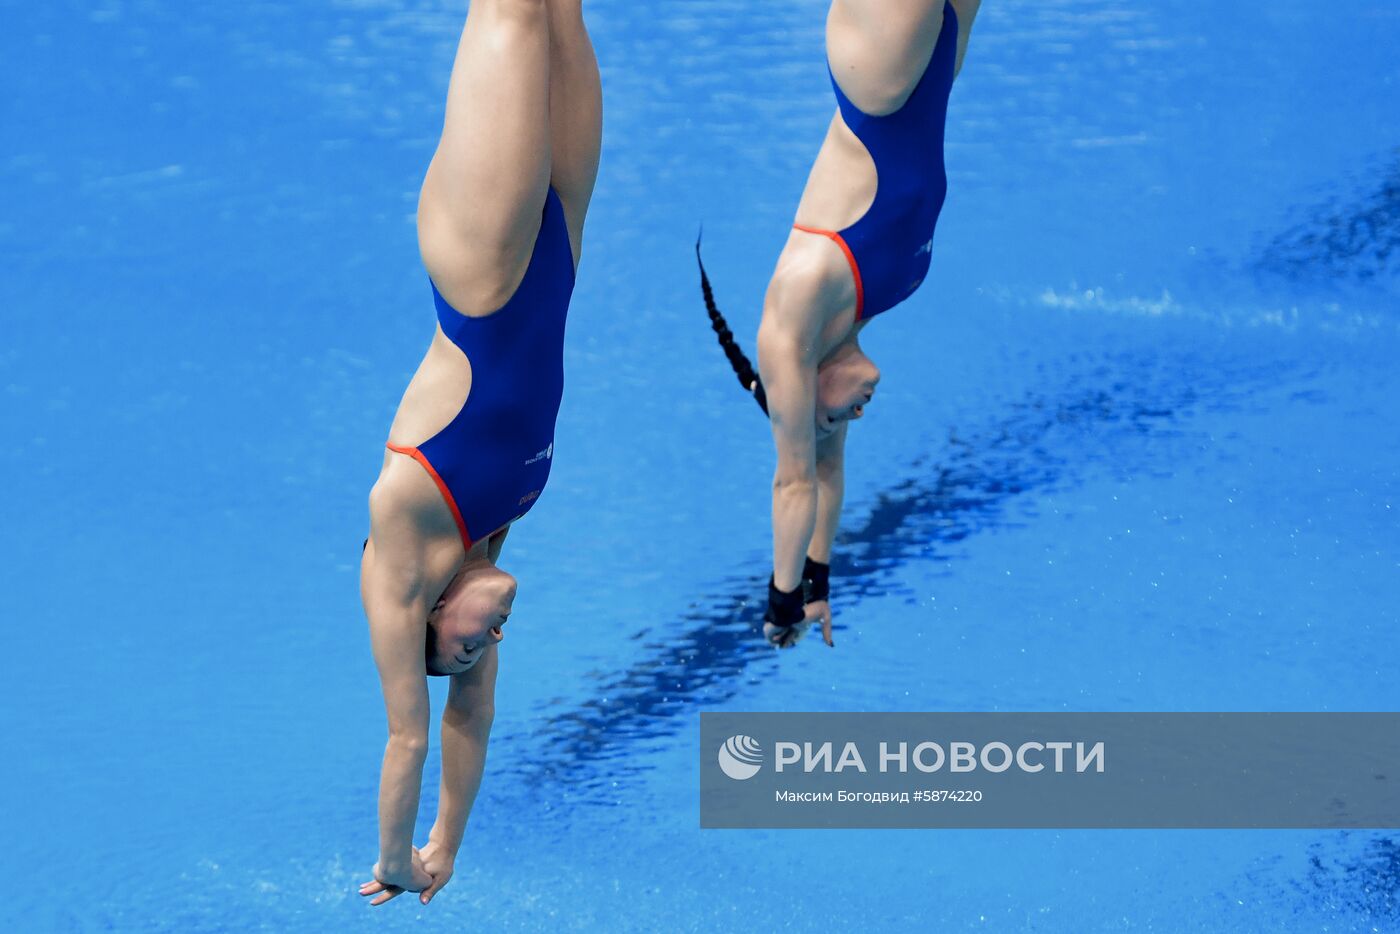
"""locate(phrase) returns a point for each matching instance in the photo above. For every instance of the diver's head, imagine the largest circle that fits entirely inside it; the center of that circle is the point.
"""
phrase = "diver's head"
(468, 618)
(846, 381)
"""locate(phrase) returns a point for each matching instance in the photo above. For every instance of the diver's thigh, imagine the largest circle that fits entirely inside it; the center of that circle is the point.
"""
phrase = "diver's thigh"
(480, 207)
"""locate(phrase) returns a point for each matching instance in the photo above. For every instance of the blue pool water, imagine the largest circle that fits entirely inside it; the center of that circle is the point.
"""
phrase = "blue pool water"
(1136, 449)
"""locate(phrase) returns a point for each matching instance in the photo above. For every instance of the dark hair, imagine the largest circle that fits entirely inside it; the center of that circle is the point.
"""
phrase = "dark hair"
(742, 367)
(429, 650)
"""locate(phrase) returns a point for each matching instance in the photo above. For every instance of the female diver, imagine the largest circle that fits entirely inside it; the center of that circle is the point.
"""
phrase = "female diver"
(500, 222)
(861, 244)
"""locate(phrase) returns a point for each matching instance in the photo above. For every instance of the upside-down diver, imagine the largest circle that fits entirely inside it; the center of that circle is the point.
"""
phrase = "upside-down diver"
(500, 224)
(861, 243)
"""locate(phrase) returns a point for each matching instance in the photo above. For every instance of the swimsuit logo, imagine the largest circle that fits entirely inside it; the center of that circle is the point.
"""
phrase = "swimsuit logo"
(546, 454)
(740, 757)
(926, 248)
(529, 497)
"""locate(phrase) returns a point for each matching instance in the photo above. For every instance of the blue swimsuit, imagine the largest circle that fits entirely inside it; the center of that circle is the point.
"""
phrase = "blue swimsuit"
(492, 460)
(889, 248)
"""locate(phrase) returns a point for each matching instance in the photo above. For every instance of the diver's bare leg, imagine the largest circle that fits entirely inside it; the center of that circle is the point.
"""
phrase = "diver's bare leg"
(479, 210)
(879, 48)
(575, 112)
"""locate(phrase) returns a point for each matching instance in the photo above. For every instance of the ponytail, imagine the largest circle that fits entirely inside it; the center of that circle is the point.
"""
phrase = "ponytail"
(743, 369)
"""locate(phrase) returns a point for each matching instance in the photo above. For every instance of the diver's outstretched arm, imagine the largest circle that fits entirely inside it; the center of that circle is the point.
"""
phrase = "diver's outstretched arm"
(410, 558)
(831, 491)
(466, 729)
(789, 370)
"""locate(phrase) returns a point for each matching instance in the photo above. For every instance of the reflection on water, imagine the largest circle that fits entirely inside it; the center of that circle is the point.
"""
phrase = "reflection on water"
(1125, 415)
(1351, 874)
(1354, 234)
(1365, 884)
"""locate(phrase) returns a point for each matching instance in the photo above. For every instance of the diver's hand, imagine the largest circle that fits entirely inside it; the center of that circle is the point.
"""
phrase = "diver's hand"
(816, 590)
(819, 611)
(785, 637)
(385, 886)
(438, 861)
(784, 624)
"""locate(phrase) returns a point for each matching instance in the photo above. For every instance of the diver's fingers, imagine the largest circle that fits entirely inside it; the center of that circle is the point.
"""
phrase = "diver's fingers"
(783, 637)
(826, 627)
(372, 887)
(389, 892)
(438, 882)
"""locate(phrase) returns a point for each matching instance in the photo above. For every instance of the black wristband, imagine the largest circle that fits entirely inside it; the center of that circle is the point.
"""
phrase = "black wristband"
(816, 581)
(784, 609)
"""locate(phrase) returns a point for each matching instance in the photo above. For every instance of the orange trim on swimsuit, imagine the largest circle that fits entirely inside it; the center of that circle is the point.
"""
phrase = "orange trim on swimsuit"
(442, 488)
(850, 258)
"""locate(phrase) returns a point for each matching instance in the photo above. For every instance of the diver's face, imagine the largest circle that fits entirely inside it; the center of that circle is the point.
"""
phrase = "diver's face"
(469, 617)
(846, 383)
